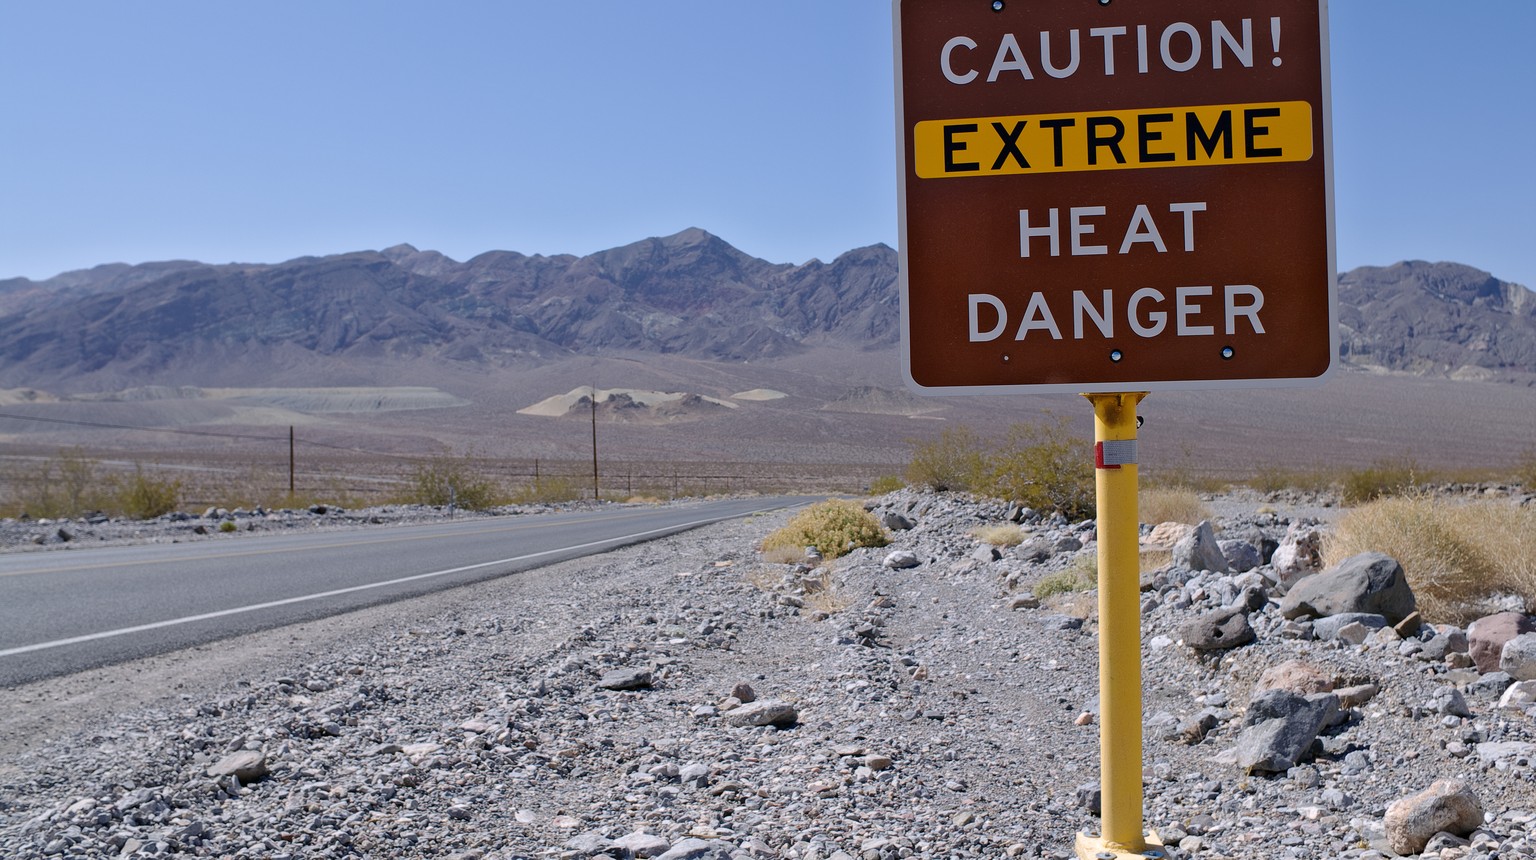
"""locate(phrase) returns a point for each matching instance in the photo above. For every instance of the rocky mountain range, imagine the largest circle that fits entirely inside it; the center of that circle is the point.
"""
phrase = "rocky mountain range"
(690, 294)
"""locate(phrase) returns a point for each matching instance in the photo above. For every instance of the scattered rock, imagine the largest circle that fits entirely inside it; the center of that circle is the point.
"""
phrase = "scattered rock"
(1217, 630)
(626, 679)
(768, 712)
(1486, 637)
(1518, 657)
(1447, 805)
(248, 766)
(901, 559)
(1199, 550)
(1296, 677)
(1279, 728)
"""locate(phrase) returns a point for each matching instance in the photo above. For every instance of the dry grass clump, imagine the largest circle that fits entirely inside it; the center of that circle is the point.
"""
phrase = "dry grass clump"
(999, 535)
(1172, 504)
(1081, 576)
(833, 527)
(1155, 559)
(1457, 556)
(822, 593)
(784, 555)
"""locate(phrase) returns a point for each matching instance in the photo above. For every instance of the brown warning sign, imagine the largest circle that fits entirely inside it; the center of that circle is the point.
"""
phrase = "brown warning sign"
(1114, 196)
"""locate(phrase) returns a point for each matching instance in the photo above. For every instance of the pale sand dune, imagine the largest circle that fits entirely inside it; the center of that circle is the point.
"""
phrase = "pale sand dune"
(13, 396)
(759, 394)
(560, 404)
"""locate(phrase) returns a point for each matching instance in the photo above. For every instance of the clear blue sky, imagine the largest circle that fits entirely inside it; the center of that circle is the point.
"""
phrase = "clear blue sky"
(262, 131)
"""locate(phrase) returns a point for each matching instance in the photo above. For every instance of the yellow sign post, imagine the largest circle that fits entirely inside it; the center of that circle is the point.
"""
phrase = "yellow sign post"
(1115, 467)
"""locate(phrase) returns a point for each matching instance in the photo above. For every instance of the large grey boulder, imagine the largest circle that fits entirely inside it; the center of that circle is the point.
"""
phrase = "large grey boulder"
(1368, 582)
(1199, 550)
(1279, 729)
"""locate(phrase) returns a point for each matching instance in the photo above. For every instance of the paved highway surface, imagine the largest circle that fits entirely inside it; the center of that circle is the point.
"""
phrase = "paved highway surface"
(64, 611)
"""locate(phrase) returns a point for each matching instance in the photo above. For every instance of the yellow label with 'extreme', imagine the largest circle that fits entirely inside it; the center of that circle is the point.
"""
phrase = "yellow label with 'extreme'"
(1114, 140)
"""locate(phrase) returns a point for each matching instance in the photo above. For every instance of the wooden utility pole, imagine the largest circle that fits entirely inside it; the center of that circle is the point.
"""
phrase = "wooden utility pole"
(595, 494)
(290, 461)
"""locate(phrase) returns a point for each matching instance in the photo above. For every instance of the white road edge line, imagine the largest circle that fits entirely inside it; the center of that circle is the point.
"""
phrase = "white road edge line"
(255, 607)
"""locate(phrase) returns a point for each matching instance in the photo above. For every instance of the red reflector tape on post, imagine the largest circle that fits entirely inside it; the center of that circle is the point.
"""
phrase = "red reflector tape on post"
(1114, 454)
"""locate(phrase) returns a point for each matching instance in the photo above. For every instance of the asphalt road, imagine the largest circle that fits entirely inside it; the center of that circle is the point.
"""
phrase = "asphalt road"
(65, 611)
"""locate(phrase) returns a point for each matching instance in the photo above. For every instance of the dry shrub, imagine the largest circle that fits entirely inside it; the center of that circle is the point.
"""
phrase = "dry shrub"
(1457, 556)
(143, 497)
(549, 491)
(454, 480)
(1382, 479)
(1044, 465)
(833, 527)
(886, 484)
(951, 462)
(999, 535)
(1525, 470)
(1172, 504)
(1273, 479)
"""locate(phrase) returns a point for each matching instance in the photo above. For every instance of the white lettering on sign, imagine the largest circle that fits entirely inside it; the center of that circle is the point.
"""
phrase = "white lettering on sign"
(1147, 312)
(1180, 47)
(1142, 229)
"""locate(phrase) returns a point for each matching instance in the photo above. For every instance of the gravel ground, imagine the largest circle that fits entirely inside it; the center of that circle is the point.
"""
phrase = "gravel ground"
(930, 711)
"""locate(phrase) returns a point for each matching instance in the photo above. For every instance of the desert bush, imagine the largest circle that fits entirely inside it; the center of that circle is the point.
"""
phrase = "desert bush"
(953, 461)
(1274, 479)
(1382, 479)
(142, 496)
(549, 490)
(1457, 556)
(1172, 504)
(66, 485)
(1044, 465)
(1525, 470)
(886, 484)
(452, 479)
(999, 535)
(833, 527)
(228, 526)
